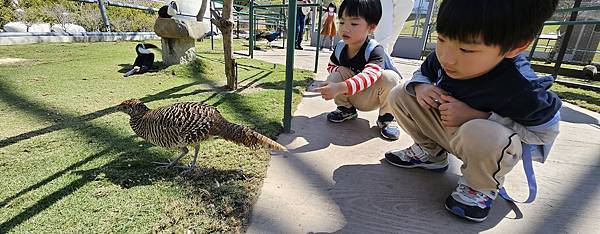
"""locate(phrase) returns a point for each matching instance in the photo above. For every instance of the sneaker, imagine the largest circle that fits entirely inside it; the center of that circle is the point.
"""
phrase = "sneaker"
(415, 157)
(469, 203)
(342, 114)
(299, 47)
(389, 128)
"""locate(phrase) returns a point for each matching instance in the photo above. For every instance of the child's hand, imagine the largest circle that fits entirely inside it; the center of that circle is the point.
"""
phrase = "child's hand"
(329, 90)
(454, 112)
(345, 72)
(428, 95)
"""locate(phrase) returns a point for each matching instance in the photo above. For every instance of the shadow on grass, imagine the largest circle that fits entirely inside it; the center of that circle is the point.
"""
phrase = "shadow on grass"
(68, 121)
(120, 171)
(156, 67)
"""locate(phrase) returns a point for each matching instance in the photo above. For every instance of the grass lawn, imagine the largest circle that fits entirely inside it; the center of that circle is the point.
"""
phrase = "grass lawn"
(583, 98)
(69, 164)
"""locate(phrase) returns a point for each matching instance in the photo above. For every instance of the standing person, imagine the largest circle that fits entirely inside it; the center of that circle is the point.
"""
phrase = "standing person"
(301, 14)
(329, 29)
(361, 74)
(396, 12)
(478, 98)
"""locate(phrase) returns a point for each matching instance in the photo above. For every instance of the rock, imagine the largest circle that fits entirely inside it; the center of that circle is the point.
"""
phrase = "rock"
(43, 27)
(590, 72)
(178, 39)
(67, 28)
(178, 50)
(179, 28)
(15, 27)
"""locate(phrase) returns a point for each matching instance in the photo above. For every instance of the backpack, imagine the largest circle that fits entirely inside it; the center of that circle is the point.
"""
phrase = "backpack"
(388, 64)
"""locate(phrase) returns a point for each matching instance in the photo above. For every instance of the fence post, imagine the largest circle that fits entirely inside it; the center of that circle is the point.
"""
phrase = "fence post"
(289, 67)
(320, 15)
(104, 16)
(565, 41)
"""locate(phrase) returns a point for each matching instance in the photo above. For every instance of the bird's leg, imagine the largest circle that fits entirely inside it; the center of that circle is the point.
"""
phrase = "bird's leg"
(192, 166)
(183, 151)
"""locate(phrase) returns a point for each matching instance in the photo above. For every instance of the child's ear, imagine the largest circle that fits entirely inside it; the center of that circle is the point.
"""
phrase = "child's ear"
(372, 28)
(518, 49)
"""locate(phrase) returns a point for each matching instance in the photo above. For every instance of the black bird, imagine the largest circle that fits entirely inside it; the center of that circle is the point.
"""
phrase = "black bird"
(168, 11)
(143, 61)
(270, 36)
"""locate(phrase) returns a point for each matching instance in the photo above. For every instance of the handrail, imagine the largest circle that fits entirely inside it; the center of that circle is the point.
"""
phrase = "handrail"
(586, 8)
(576, 22)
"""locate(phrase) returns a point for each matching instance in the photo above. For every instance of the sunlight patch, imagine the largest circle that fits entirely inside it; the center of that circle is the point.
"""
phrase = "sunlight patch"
(14, 61)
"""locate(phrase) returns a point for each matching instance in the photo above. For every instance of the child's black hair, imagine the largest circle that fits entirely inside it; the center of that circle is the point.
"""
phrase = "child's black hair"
(370, 10)
(332, 5)
(505, 23)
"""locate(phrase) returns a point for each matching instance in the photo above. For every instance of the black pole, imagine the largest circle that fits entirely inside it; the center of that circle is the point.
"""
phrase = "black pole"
(284, 23)
(320, 15)
(104, 16)
(212, 32)
(535, 43)
(289, 68)
(565, 41)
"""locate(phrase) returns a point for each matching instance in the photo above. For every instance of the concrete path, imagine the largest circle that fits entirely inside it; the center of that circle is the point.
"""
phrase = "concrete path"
(333, 179)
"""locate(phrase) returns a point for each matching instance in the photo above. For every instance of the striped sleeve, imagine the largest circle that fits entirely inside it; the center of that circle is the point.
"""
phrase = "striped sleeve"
(361, 81)
(332, 67)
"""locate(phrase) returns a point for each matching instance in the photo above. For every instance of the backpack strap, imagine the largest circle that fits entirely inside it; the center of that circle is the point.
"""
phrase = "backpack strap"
(528, 157)
(388, 64)
(370, 47)
(528, 167)
(338, 49)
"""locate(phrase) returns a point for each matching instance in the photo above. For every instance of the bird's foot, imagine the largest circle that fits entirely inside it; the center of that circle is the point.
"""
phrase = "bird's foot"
(169, 164)
(188, 168)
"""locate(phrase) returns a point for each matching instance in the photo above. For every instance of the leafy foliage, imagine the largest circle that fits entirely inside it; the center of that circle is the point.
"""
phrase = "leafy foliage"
(85, 14)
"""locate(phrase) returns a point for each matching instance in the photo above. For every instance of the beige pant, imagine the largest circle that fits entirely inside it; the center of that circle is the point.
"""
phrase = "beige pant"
(371, 98)
(488, 150)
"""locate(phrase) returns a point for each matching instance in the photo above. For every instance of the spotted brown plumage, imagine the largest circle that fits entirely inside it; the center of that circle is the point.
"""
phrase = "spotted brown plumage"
(183, 124)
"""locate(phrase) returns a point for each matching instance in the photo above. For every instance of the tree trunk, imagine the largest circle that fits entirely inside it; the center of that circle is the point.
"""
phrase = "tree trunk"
(200, 16)
(225, 25)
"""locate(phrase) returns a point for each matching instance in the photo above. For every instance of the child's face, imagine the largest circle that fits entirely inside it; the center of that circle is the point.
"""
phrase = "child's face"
(467, 60)
(354, 30)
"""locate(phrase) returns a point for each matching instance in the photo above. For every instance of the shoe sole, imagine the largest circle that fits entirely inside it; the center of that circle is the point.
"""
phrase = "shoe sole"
(434, 169)
(352, 117)
(461, 213)
(388, 138)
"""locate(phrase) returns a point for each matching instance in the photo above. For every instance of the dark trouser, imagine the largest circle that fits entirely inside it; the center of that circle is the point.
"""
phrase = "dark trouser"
(300, 23)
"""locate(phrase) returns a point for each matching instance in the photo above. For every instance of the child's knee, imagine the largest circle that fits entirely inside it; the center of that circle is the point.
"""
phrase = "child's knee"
(486, 135)
(335, 77)
(389, 79)
(397, 95)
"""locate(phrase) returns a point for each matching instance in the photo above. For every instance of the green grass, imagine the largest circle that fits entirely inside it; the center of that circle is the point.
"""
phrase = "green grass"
(69, 164)
(584, 98)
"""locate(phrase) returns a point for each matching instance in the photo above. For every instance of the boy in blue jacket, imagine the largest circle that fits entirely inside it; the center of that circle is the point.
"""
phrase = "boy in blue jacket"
(477, 97)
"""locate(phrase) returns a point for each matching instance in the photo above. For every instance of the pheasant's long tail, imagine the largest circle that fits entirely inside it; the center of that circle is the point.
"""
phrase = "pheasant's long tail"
(248, 137)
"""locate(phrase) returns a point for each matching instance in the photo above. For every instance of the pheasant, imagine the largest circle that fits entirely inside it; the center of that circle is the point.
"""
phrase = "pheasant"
(187, 124)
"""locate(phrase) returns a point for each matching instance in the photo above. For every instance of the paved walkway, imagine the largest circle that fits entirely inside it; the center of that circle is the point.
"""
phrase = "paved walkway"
(333, 179)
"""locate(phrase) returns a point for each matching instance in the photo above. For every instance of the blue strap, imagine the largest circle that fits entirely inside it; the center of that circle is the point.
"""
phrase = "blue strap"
(388, 64)
(338, 49)
(370, 47)
(528, 166)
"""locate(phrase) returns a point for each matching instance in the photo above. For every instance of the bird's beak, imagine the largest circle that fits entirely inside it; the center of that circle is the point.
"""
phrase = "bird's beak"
(149, 46)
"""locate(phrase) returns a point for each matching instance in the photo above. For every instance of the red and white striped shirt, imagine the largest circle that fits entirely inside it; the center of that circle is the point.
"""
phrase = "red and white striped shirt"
(367, 70)
(331, 67)
(361, 81)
